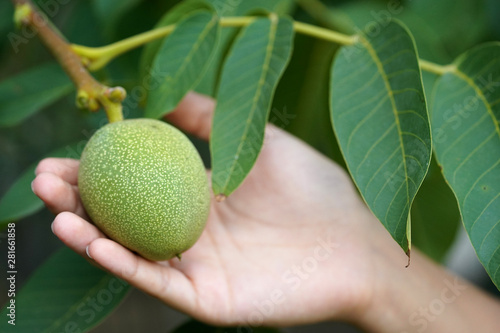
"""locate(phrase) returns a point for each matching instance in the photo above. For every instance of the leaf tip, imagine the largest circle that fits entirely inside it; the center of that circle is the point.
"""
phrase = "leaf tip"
(408, 253)
(220, 197)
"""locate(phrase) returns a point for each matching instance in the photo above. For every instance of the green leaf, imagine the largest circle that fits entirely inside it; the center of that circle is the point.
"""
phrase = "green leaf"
(19, 201)
(465, 119)
(182, 61)
(209, 82)
(250, 75)
(374, 15)
(171, 17)
(435, 216)
(26, 93)
(306, 114)
(380, 119)
(65, 294)
(192, 326)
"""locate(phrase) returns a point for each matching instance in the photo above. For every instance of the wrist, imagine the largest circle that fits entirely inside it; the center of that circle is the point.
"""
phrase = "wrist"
(425, 298)
(390, 303)
(397, 291)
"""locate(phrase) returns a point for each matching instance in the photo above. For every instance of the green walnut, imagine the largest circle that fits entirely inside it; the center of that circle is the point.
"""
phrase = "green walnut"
(144, 185)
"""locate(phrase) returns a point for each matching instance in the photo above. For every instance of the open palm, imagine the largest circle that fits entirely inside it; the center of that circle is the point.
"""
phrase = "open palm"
(289, 246)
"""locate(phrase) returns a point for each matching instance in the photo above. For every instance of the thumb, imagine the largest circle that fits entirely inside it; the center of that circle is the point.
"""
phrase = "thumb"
(194, 115)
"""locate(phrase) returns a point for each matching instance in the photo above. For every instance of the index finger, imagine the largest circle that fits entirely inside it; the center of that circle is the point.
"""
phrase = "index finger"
(64, 168)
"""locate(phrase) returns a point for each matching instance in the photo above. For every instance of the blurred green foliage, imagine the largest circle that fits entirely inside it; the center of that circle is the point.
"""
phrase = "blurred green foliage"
(442, 30)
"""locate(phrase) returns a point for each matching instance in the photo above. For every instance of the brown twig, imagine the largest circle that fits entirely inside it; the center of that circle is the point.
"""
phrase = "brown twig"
(91, 94)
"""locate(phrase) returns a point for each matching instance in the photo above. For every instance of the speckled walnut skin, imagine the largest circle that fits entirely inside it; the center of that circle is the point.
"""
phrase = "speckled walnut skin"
(144, 185)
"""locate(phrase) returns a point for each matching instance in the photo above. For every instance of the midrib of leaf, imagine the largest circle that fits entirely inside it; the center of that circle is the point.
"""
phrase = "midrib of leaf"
(380, 67)
(269, 52)
(195, 48)
(74, 308)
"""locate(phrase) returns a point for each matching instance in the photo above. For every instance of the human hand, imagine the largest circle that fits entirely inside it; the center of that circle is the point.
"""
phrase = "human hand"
(293, 244)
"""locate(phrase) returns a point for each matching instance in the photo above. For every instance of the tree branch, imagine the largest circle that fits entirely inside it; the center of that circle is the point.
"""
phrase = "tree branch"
(91, 94)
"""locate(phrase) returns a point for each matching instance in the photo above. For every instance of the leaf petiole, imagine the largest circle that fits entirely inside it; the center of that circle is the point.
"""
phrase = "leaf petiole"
(98, 57)
(435, 68)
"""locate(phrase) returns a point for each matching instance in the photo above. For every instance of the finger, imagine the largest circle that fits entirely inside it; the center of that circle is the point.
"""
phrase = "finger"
(194, 115)
(157, 279)
(66, 168)
(58, 195)
(75, 232)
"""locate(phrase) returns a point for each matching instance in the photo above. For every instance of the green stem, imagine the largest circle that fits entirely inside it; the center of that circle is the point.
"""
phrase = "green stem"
(325, 34)
(236, 21)
(339, 21)
(435, 68)
(114, 111)
(98, 57)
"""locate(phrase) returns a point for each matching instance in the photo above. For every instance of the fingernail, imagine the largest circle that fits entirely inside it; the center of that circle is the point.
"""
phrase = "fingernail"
(52, 227)
(32, 190)
(88, 254)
